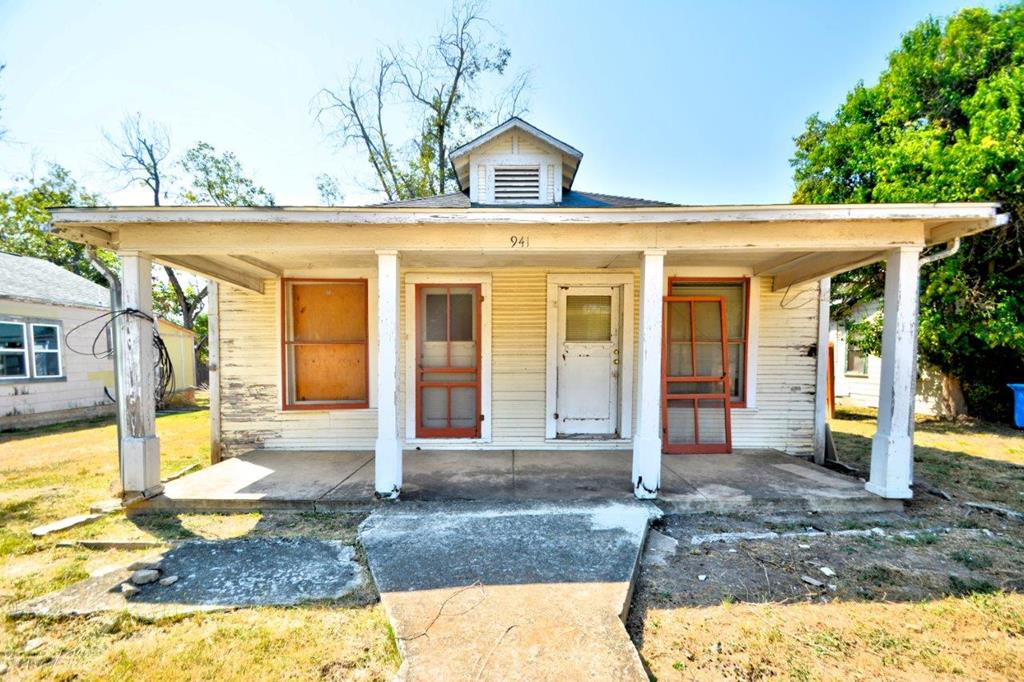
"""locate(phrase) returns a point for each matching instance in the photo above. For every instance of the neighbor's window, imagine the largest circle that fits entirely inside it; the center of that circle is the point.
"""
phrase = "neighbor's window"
(325, 344)
(30, 350)
(856, 362)
(13, 351)
(46, 350)
(736, 294)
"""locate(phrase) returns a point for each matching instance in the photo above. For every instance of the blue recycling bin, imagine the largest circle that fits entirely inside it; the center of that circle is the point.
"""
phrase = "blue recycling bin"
(1018, 404)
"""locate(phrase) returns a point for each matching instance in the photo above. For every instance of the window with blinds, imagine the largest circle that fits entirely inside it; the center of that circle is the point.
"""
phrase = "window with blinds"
(517, 183)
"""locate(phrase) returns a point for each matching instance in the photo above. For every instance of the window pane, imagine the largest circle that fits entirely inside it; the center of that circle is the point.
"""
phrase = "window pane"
(462, 316)
(463, 408)
(47, 365)
(12, 365)
(679, 321)
(735, 295)
(736, 360)
(707, 318)
(856, 362)
(588, 318)
(44, 337)
(12, 336)
(435, 317)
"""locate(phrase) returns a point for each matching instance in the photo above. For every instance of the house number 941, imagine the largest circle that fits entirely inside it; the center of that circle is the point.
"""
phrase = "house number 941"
(519, 242)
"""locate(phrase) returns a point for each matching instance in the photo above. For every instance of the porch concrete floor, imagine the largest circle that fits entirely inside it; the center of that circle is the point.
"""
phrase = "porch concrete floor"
(760, 480)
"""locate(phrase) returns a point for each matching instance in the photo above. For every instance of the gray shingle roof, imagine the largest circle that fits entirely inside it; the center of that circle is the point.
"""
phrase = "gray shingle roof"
(570, 199)
(34, 279)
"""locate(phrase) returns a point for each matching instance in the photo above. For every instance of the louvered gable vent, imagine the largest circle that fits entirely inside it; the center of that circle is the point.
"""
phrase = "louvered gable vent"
(517, 183)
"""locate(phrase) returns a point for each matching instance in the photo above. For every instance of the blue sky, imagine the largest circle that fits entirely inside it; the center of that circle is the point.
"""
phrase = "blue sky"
(693, 102)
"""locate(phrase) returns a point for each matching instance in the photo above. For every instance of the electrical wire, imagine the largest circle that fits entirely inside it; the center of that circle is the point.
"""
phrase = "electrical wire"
(163, 367)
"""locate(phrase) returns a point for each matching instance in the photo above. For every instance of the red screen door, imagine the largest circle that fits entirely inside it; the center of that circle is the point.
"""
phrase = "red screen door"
(695, 376)
(448, 360)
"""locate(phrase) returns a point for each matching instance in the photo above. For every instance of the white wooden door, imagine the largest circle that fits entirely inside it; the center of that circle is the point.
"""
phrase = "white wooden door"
(588, 361)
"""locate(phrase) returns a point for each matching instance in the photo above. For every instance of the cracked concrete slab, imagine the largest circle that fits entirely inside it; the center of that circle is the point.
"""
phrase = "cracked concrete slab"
(213, 575)
(510, 591)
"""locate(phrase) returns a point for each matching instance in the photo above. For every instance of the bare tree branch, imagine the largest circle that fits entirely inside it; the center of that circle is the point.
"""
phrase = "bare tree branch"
(138, 152)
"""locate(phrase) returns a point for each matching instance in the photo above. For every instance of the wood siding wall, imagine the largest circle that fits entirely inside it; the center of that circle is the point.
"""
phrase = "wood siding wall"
(250, 362)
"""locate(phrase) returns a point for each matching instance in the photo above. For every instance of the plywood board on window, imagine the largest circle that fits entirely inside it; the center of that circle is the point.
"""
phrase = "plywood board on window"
(329, 311)
(330, 373)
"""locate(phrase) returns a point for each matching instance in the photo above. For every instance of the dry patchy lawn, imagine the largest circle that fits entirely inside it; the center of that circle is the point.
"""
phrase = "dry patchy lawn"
(47, 474)
(971, 460)
(939, 596)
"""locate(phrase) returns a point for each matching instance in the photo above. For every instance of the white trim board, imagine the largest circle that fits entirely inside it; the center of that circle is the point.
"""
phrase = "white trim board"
(409, 331)
(626, 387)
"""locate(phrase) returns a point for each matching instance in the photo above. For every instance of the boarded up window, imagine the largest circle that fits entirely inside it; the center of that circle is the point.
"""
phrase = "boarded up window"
(325, 343)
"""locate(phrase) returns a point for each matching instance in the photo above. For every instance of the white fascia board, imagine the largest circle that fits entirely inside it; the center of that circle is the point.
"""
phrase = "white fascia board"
(646, 215)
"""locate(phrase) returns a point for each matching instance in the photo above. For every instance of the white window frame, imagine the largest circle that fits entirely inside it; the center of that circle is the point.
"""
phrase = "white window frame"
(411, 280)
(25, 347)
(59, 351)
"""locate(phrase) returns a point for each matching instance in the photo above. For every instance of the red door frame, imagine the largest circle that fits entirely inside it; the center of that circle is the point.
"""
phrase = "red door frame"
(724, 395)
(449, 431)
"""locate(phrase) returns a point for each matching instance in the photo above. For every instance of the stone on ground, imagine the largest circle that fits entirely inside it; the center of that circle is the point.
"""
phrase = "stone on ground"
(145, 576)
(214, 575)
(509, 591)
(63, 524)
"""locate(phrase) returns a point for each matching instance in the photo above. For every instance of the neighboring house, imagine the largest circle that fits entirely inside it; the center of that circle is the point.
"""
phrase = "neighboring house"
(858, 375)
(523, 313)
(41, 380)
(47, 376)
(180, 343)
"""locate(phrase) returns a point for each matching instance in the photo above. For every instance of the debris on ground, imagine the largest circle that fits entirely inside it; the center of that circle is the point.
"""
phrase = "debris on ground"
(145, 576)
(63, 524)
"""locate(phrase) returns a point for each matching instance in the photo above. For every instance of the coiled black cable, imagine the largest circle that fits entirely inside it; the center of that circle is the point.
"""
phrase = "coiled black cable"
(164, 367)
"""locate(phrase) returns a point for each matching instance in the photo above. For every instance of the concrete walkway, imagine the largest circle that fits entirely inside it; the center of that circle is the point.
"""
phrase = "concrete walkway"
(515, 591)
(762, 480)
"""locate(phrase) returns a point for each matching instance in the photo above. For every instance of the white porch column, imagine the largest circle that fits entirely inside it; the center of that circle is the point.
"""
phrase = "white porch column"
(822, 369)
(388, 450)
(140, 448)
(892, 449)
(647, 439)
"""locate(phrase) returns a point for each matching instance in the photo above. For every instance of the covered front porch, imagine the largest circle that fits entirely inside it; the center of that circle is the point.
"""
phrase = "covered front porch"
(755, 480)
(506, 338)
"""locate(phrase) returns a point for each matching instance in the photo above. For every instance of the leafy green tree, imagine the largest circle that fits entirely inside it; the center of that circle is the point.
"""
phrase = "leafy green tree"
(218, 179)
(23, 217)
(945, 122)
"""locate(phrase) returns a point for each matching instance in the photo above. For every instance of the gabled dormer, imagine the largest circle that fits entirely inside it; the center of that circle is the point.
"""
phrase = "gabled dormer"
(515, 164)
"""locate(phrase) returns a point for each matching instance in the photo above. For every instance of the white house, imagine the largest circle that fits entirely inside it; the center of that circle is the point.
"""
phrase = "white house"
(858, 375)
(521, 312)
(41, 381)
(49, 319)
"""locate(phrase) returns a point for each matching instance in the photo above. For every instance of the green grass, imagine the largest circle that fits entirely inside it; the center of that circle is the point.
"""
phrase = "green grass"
(972, 460)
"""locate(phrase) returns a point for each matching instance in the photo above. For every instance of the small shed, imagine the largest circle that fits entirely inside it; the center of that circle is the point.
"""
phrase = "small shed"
(180, 343)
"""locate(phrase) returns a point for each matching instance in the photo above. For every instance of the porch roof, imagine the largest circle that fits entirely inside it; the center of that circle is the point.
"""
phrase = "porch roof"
(791, 243)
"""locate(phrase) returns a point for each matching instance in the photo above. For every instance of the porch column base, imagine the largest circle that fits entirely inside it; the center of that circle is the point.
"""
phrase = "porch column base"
(646, 468)
(387, 468)
(890, 467)
(140, 464)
